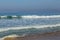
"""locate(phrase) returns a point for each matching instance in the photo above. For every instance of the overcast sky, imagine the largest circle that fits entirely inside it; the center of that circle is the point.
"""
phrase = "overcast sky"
(17, 5)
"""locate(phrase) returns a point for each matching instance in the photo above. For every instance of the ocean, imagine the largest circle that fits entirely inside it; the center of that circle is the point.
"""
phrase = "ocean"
(25, 23)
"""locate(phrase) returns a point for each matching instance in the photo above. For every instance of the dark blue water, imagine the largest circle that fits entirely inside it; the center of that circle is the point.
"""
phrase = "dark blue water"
(32, 13)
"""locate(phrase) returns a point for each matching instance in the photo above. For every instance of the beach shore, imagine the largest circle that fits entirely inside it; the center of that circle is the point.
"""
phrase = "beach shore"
(46, 36)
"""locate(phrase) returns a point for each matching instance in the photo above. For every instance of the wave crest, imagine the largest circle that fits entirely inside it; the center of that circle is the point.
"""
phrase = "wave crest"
(27, 27)
(31, 16)
(23, 31)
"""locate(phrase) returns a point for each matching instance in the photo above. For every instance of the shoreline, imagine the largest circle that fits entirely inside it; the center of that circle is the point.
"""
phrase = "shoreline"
(45, 36)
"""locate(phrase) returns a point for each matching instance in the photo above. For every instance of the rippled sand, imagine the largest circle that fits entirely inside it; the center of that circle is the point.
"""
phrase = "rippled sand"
(46, 36)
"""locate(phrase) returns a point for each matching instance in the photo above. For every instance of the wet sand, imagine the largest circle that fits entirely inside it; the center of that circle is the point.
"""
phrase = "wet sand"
(46, 36)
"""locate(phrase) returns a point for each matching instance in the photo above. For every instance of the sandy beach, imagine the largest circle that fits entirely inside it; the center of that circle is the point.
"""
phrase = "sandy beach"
(46, 36)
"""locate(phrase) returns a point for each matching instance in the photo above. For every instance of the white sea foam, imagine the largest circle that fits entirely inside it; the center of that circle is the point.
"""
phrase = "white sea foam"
(27, 27)
(36, 16)
(12, 36)
(1, 39)
(3, 16)
(33, 16)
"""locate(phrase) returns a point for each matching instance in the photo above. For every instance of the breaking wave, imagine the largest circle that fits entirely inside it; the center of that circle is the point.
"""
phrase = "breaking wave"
(23, 31)
(31, 16)
(28, 27)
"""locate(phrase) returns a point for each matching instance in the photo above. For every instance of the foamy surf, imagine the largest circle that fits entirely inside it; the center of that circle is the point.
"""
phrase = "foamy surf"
(31, 16)
(13, 35)
(10, 36)
(28, 27)
(24, 31)
(36, 16)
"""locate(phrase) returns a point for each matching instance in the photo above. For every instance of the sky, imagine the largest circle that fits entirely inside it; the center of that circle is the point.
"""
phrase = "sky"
(20, 5)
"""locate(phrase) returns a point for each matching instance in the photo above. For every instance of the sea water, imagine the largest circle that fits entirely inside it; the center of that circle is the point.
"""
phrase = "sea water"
(29, 23)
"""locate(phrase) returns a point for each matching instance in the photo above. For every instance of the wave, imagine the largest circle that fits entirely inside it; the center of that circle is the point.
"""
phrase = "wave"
(23, 31)
(36, 16)
(13, 35)
(31, 16)
(27, 27)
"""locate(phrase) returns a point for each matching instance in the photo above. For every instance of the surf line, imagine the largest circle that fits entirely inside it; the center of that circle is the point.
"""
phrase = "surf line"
(28, 27)
(9, 17)
(31, 16)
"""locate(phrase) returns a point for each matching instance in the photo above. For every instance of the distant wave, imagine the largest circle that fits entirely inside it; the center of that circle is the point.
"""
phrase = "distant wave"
(36, 16)
(31, 16)
(27, 27)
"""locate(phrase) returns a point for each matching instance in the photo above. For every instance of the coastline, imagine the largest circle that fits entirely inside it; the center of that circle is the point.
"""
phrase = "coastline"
(45, 36)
